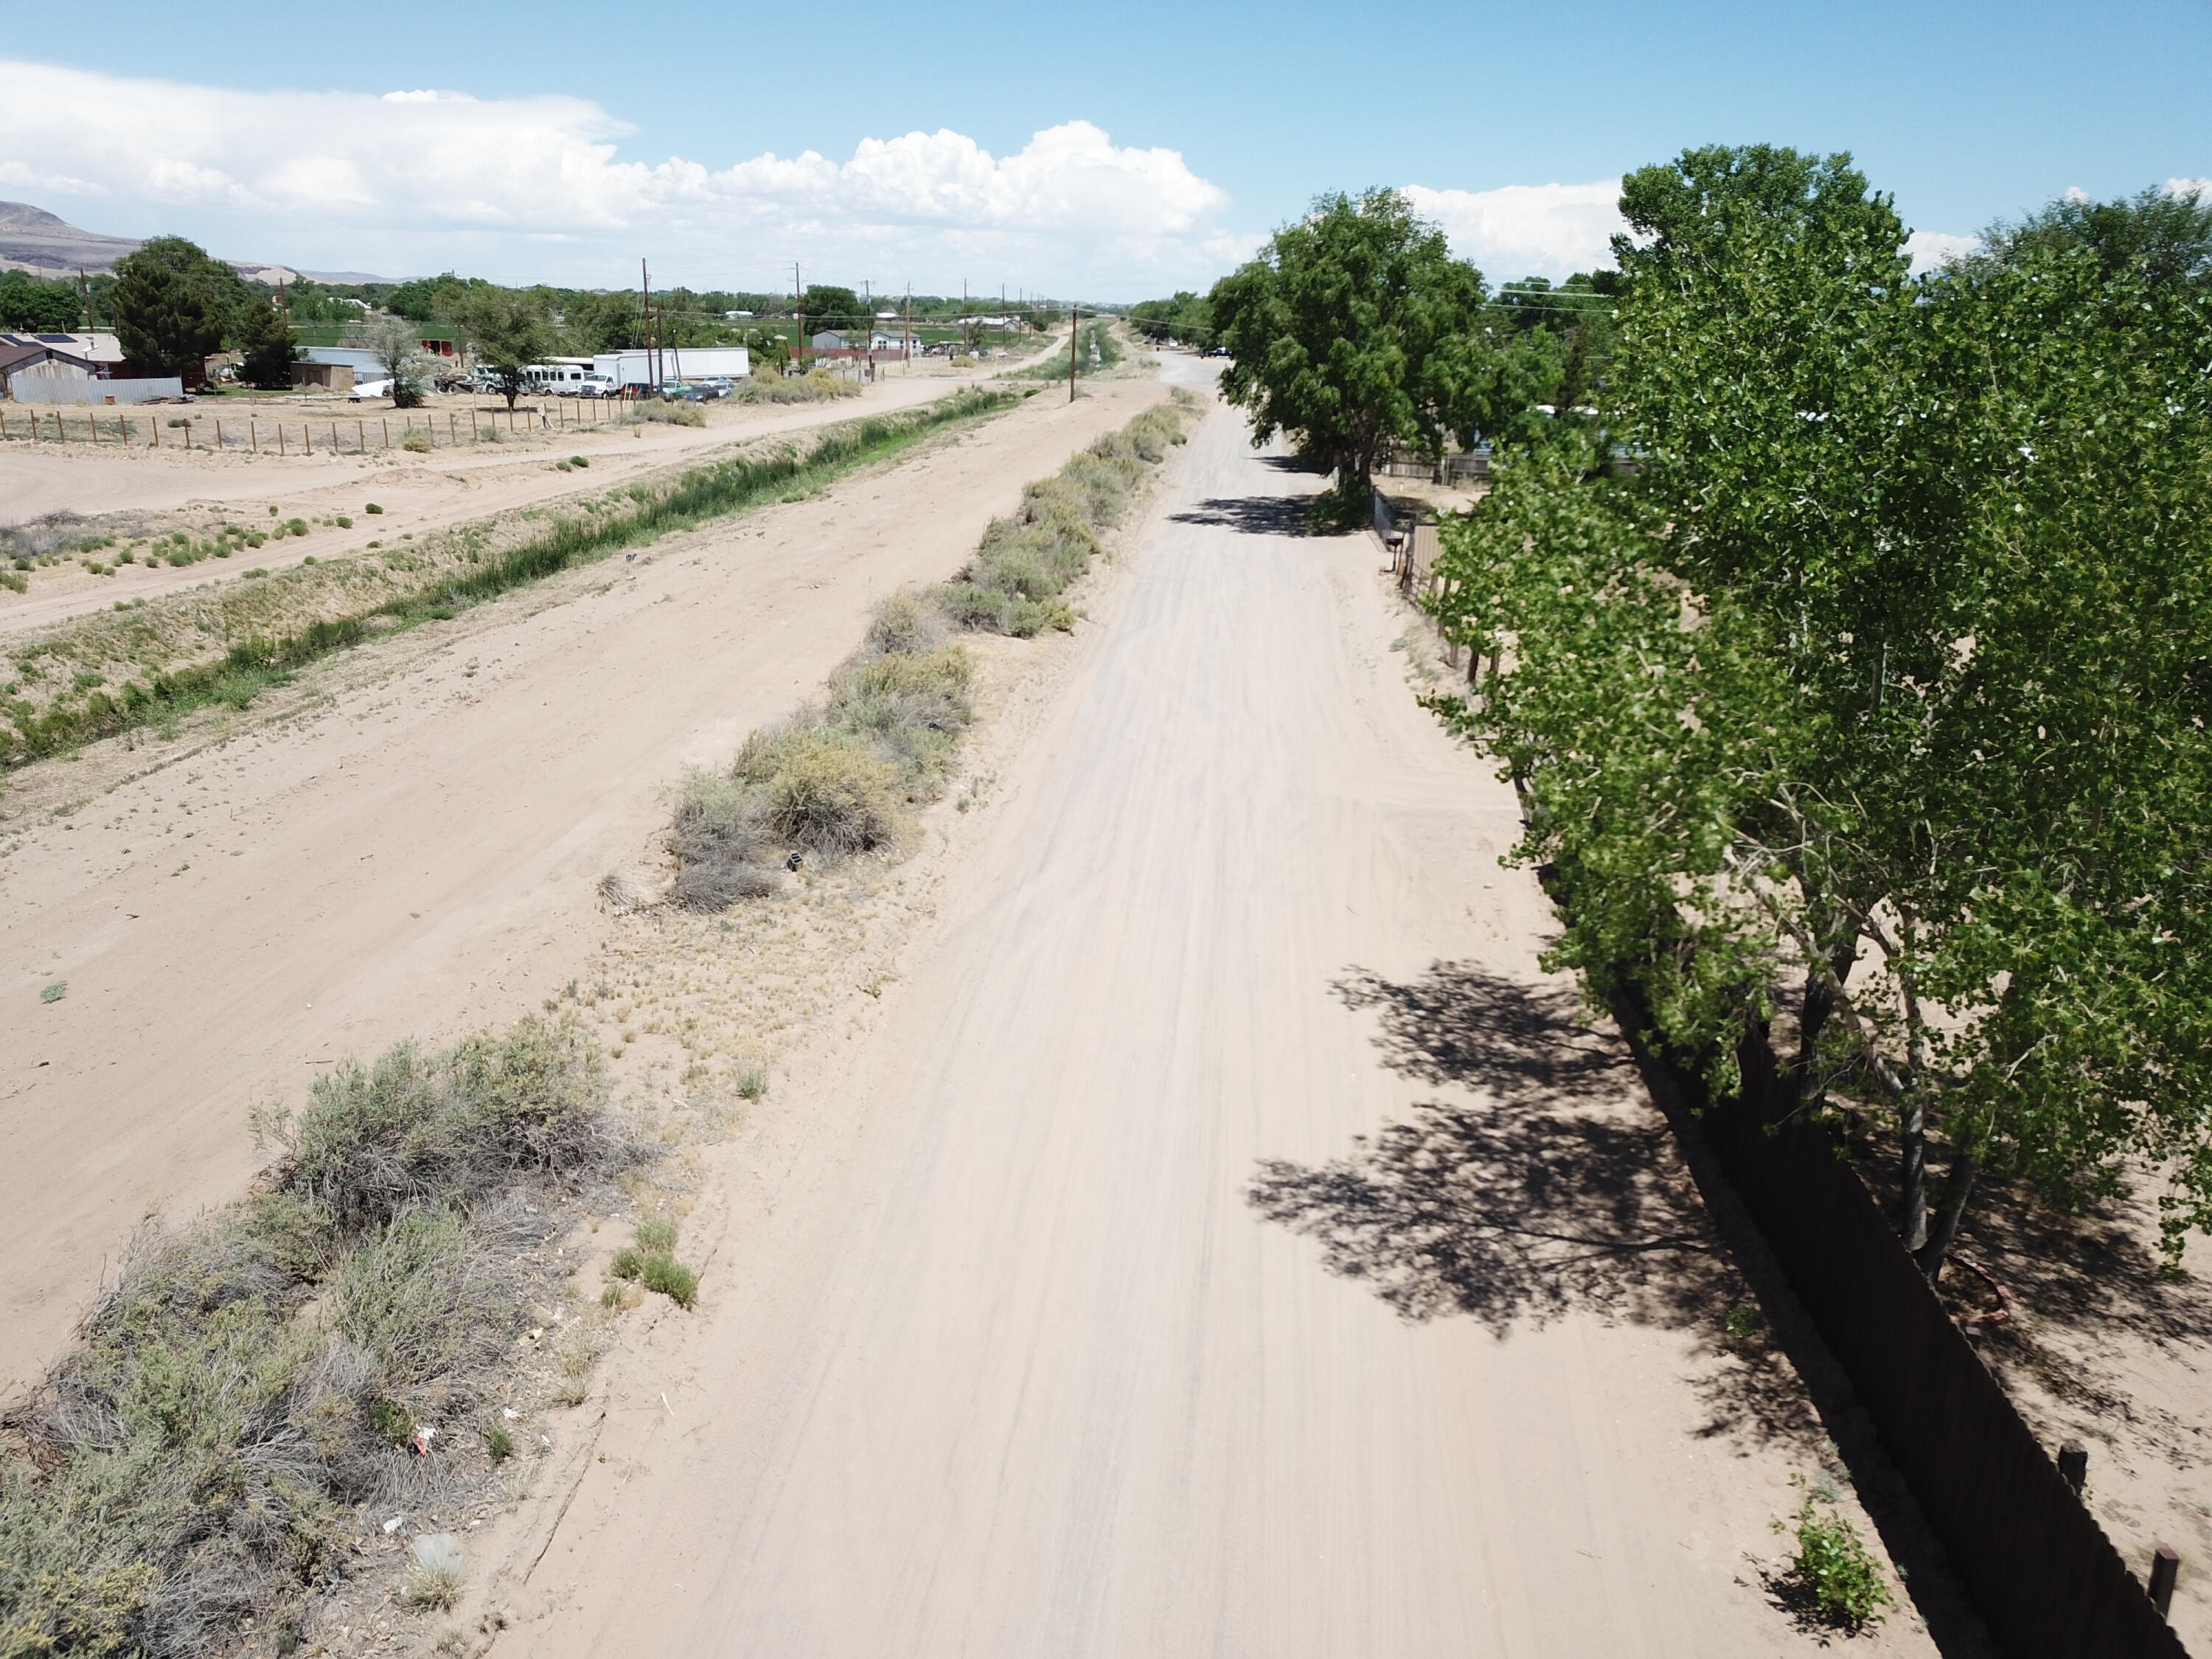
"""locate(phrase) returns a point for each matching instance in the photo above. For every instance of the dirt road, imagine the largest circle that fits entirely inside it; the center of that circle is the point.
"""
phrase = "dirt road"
(418, 494)
(1073, 1317)
(416, 855)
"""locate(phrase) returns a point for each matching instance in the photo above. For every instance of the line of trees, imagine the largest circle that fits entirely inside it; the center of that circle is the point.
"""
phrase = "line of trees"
(1856, 689)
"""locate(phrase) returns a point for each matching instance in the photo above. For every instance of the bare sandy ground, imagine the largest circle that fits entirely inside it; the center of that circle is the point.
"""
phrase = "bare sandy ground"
(418, 494)
(415, 852)
(1221, 1239)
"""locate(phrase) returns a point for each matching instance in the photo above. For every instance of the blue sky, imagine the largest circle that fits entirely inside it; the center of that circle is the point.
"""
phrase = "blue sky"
(1965, 112)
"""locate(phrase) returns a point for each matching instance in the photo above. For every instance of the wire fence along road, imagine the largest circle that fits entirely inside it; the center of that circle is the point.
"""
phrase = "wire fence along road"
(250, 435)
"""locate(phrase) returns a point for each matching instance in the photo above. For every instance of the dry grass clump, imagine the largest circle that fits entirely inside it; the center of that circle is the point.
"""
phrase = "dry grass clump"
(1027, 562)
(816, 385)
(651, 411)
(196, 1458)
(835, 781)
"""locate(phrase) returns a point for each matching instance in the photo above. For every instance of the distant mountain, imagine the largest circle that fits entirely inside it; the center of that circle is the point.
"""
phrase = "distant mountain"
(34, 239)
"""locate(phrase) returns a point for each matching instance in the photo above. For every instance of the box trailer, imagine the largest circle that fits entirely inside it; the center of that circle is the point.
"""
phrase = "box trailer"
(635, 368)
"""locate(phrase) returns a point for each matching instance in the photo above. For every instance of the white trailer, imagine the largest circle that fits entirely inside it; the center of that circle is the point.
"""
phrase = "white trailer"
(635, 368)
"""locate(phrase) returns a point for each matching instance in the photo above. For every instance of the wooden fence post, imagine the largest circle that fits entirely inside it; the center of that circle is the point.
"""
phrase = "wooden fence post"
(280, 437)
(387, 425)
(307, 437)
(253, 435)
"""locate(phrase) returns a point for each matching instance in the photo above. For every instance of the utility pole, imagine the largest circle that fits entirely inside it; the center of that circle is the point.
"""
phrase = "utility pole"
(906, 342)
(798, 311)
(1074, 333)
(645, 288)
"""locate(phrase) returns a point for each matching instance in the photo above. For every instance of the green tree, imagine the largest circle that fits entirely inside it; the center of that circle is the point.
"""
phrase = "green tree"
(835, 309)
(1875, 701)
(510, 328)
(397, 345)
(266, 342)
(30, 303)
(173, 305)
(1356, 328)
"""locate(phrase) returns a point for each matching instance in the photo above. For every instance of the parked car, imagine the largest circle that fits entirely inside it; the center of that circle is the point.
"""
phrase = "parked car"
(598, 385)
(681, 392)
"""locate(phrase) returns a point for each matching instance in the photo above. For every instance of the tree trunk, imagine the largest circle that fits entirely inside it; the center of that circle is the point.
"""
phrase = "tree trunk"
(1913, 1139)
(1957, 1188)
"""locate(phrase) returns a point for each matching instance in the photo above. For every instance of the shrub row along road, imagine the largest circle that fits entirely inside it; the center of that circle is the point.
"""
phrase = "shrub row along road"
(416, 856)
(419, 494)
(1000, 1358)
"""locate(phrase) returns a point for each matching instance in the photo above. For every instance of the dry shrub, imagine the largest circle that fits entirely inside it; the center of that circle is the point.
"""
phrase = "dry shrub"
(821, 791)
(666, 414)
(721, 842)
(195, 1459)
(907, 623)
(816, 385)
(446, 1126)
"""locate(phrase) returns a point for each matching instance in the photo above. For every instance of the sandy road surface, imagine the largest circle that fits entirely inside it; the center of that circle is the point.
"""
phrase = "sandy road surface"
(417, 856)
(997, 1360)
(418, 494)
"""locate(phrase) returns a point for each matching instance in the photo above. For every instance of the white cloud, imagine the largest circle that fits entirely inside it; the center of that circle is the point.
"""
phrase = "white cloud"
(1527, 230)
(534, 188)
(2183, 186)
(1931, 248)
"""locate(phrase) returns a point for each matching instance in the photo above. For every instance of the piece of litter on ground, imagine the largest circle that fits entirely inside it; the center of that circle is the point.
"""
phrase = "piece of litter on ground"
(395, 1523)
(509, 1412)
(439, 1551)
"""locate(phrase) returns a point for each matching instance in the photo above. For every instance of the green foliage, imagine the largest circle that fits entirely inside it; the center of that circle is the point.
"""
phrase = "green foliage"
(671, 1279)
(1833, 1571)
(509, 329)
(55, 992)
(173, 304)
(1356, 328)
(651, 1262)
(397, 346)
(33, 305)
(837, 308)
(265, 341)
(1187, 320)
(1877, 693)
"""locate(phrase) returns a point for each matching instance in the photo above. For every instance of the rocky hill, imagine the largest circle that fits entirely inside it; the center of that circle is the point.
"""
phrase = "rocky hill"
(46, 245)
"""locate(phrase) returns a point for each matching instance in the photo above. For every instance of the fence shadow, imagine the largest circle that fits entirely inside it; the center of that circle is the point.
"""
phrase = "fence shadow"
(1553, 1190)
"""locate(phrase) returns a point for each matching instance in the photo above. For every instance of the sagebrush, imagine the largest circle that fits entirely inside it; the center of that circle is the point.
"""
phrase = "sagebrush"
(195, 1460)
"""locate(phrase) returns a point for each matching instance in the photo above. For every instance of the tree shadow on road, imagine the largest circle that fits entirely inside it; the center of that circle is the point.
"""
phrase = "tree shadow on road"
(1546, 1186)
(1255, 516)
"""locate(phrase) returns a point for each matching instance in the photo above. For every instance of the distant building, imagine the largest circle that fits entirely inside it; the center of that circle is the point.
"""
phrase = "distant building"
(830, 340)
(32, 357)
